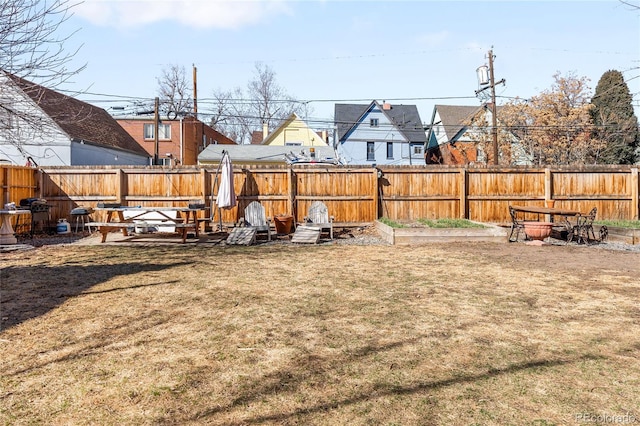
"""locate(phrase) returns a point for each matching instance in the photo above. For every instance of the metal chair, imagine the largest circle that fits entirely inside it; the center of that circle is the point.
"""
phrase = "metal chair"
(582, 230)
(516, 225)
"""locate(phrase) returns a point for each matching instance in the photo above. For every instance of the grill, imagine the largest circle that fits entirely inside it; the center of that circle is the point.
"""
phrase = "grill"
(39, 213)
(79, 211)
(79, 214)
(27, 202)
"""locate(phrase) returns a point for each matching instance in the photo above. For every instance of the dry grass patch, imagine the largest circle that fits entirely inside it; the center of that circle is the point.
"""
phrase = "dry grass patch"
(444, 334)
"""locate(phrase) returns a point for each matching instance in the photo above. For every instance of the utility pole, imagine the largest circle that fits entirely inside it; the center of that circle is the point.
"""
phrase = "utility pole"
(156, 128)
(494, 109)
(195, 92)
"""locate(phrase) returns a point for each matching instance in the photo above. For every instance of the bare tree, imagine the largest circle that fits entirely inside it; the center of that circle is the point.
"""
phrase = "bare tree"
(269, 101)
(174, 92)
(32, 48)
(631, 5)
(232, 115)
(238, 114)
(31, 45)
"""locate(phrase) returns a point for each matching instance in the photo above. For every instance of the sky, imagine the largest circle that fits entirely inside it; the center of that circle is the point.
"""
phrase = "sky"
(419, 53)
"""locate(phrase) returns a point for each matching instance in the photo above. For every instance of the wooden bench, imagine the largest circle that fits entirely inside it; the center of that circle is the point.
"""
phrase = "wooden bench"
(105, 227)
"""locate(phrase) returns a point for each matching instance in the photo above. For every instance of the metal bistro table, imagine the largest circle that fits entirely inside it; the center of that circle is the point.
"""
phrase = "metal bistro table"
(7, 234)
(136, 217)
(517, 223)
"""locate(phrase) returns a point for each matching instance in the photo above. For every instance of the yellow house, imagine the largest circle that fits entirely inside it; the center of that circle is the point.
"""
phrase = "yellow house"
(294, 132)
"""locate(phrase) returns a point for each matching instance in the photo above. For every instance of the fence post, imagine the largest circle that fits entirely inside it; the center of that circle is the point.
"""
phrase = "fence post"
(292, 195)
(40, 189)
(635, 191)
(376, 193)
(119, 189)
(203, 184)
(548, 184)
(4, 185)
(464, 212)
(548, 189)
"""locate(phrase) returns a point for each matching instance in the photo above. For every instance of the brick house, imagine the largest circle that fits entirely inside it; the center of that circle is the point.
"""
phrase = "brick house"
(180, 140)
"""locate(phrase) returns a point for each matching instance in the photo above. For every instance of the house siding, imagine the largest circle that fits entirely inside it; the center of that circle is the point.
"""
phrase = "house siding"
(189, 137)
(453, 142)
(135, 127)
(60, 120)
(49, 143)
(294, 131)
(46, 145)
(93, 155)
(353, 150)
(379, 124)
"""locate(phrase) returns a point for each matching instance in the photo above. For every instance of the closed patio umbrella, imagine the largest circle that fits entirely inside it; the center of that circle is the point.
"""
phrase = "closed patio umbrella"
(226, 197)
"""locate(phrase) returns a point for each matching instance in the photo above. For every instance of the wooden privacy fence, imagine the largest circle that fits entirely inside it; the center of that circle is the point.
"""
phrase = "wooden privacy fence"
(349, 194)
(16, 183)
(354, 195)
(484, 194)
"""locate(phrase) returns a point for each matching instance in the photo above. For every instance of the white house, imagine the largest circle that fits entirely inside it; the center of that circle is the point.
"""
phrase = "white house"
(40, 126)
(379, 134)
(454, 134)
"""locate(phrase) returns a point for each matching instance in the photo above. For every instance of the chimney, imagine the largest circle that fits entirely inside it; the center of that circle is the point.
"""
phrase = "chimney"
(386, 106)
(265, 130)
(325, 137)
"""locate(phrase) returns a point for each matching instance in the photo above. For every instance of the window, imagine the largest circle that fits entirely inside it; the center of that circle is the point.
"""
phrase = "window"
(417, 150)
(389, 150)
(373, 122)
(164, 131)
(371, 151)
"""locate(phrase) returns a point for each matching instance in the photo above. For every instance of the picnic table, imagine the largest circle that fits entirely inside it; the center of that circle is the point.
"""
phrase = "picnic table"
(125, 217)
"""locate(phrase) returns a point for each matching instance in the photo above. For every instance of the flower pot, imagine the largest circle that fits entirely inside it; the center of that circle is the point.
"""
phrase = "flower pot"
(550, 203)
(283, 223)
(538, 230)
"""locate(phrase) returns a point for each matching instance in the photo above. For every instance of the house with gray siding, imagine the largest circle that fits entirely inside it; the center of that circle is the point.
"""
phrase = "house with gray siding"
(39, 126)
(379, 134)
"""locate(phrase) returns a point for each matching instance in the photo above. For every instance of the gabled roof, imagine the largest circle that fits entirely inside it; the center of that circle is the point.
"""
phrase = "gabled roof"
(346, 116)
(287, 123)
(455, 118)
(78, 119)
(405, 117)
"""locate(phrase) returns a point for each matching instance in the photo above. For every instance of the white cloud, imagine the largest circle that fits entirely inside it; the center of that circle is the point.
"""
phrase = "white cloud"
(193, 13)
